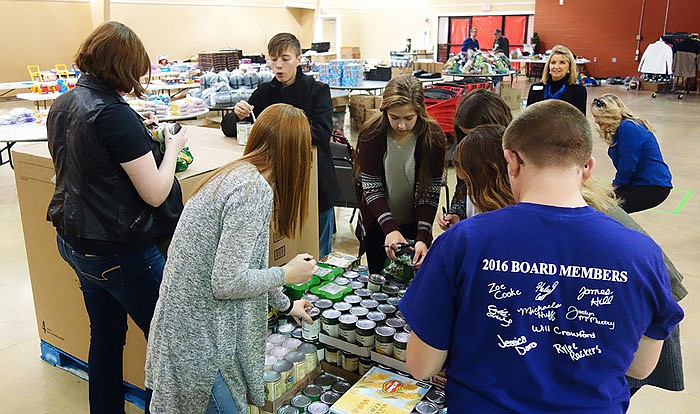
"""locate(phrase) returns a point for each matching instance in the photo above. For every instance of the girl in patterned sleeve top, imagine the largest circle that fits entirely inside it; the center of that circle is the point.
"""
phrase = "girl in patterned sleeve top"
(401, 158)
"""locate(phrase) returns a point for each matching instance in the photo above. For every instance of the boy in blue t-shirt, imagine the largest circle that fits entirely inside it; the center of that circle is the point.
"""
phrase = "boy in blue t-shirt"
(547, 304)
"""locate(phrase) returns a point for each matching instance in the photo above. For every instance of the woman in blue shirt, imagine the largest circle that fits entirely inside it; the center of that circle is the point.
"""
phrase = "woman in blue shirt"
(643, 180)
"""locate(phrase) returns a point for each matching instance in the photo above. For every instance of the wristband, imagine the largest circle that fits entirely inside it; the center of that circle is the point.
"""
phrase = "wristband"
(289, 308)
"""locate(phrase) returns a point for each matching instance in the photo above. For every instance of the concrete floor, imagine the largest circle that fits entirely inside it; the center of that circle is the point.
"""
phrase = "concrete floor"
(29, 385)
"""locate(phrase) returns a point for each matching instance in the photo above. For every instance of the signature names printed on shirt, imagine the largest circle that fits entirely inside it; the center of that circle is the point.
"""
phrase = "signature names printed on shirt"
(501, 315)
(573, 313)
(601, 296)
(544, 289)
(576, 353)
(499, 291)
(517, 344)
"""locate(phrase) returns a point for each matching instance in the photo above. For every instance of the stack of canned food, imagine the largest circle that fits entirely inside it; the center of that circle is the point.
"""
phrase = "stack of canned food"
(317, 398)
(287, 361)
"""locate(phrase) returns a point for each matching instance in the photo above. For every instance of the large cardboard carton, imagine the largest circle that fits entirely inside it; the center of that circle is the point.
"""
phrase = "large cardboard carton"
(396, 71)
(350, 52)
(511, 97)
(60, 312)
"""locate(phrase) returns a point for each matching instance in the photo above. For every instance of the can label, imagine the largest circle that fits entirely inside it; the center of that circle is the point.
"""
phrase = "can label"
(287, 379)
(310, 331)
(299, 371)
(366, 341)
(384, 348)
(330, 330)
(351, 363)
(348, 335)
(400, 354)
(311, 362)
(272, 390)
(364, 368)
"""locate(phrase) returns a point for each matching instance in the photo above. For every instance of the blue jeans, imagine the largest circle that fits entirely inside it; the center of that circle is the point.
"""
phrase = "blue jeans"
(326, 223)
(221, 400)
(113, 287)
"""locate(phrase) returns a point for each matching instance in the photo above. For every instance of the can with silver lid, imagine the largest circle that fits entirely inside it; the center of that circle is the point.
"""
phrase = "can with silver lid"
(276, 339)
(351, 274)
(350, 361)
(310, 355)
(324, 304)
(311, 330)
(352, 299)
(270, 361)
(310, 297)
(361, 270)
(330, 397)
(365, 366)
(273, 385)
(313, 391)
(364, 332)
(388, 310)
(393, 301)
(437, 397)
(292, 344)
(342, 306)
(390, 289)
(426, 407)
(331, 355)
(356, 284)
(407, 328)
(341, 387)
(285, 329)
(287, 409)
(370, 304)
(330, 322)
(377, 317)
(400, 344)
(325, 381)
(359, 311)
(346, 329)
(396, 323)
(363, 278)
(376, 282)
(317, 408)
(279, 352)
(379, 297)
(363, 293)
(286, 370)
(298, 333)
(399, 314)
(342, 281)
(300, 402)
(384, 340)
(299, 361)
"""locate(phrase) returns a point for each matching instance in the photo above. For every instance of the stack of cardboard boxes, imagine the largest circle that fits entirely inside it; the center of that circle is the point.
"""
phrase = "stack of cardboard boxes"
(428, 66)
(349, 52)
(363, 108)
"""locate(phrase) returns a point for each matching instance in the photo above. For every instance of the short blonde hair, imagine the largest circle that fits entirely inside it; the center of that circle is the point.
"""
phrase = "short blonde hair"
(573, 69)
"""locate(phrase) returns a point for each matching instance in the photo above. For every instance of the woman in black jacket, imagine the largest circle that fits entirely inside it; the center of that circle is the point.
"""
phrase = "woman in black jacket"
(107, 206)
(291, 86)
(559, 81)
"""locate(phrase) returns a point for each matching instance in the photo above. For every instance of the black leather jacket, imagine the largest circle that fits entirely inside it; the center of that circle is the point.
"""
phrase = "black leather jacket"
(94, 198)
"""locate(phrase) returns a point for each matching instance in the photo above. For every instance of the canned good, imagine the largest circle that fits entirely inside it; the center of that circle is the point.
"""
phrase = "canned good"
(426, 407)
(400, 343)
(300, 402)
(276, 339)
(299, 361)
(356, 284)
(363, 293)
(361, 270)
(390, 289)
(384, 340)
(350, 362)
(365, 366)
(311, 330)
(279, 352)
(388, 310)
(342, 281)
(310, 356)
(292, 344)
(287, 409)
(298, 333)
(359, 311)
(268, 347)
(330, 397)
(252, 409)
(364, 332)
(396, 323)
(393, 301)
(332, 355)
(379, 297)
(377, 317)
(370, 304)
(286, 370)
(330, 322)
(351, 274)
(363, 278)
(342, 306)
(376, 282)
(346, 329)
(320, 350)
(317, 408)
(313, 391)
(399, 314)
(270, 361)
(310, 297)
(285, 329)
(352, 299)
(273, 385)
(341, 387)
(407, 328)
(437, 397)
(325, 381)
(324, 304)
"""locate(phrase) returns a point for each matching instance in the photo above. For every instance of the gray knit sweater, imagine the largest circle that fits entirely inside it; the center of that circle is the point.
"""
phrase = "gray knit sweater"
(212, 310)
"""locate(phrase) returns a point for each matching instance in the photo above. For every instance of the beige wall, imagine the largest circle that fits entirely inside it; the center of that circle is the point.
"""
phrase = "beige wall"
(46, 32)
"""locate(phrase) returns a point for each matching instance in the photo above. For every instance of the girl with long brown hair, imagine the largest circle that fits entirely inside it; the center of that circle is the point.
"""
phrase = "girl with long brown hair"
(401, 155)
(207, 343)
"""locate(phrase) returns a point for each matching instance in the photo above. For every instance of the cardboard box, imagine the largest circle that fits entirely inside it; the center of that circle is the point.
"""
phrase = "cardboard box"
(654, 87)
(324, 57)
(378, 102)
(511, 97)
(364, 101)
(370, 114)
(341, 100)
(396, 71)
(60, 311)
(350, 52)
(438, 67)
